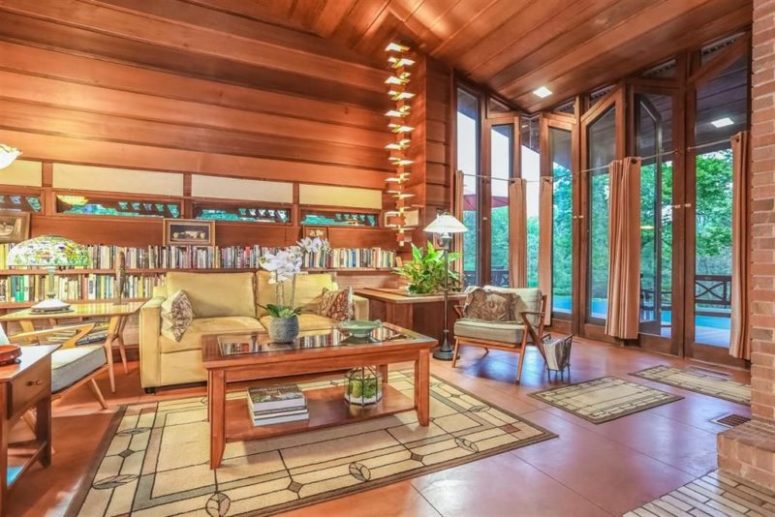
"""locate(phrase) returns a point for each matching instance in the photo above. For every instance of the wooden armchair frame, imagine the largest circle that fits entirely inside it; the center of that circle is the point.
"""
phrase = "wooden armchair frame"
(68, 336)
(536, 337)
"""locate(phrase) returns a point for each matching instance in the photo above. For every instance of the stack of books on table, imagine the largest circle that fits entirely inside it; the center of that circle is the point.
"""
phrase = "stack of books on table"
(277, 405)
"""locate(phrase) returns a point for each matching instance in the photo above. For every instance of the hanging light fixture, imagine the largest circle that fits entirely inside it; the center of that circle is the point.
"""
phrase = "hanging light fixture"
(398, 80)
(7, 155)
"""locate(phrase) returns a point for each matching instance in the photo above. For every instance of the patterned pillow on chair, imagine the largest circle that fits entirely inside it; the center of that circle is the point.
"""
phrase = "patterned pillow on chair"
(483, 304)
(176, 315)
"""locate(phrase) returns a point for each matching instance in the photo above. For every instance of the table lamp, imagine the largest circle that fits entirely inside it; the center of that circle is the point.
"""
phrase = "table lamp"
(50, 253)
(444, 226)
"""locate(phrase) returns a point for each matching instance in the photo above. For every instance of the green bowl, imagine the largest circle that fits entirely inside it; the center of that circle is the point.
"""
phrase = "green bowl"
(360, 328)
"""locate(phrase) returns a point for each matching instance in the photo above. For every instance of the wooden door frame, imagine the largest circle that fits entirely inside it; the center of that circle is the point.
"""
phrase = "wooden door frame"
(562, 322)
(616, 99)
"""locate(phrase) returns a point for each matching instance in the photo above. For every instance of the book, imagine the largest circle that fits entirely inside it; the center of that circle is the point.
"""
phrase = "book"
(276, 397)
(267, 413)
(257, 422)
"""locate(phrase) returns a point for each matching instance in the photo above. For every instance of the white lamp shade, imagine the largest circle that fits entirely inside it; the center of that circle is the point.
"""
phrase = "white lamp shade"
(446, 224)
(7, 155)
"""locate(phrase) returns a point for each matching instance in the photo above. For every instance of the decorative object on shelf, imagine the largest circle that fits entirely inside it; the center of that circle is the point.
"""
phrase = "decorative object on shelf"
(363, 386)
(191, 232)
(14, 226)
(121, 278)
(399, 63)
(445, 225)
(428, 272)
(346, 219)
(253, 214)
(9, 354)
(115, 206)
(7, 155)
(49, 252)
(360, 328)
(284, 266)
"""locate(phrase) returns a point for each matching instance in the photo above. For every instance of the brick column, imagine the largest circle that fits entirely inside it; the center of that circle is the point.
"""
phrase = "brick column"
(748, 451)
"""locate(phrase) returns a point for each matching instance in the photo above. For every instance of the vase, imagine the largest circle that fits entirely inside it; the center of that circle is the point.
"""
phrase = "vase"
(284, 330)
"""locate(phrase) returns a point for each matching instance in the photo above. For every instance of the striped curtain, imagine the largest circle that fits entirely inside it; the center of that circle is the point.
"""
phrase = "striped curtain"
(518, 232)
(545, 208)
(740, 342)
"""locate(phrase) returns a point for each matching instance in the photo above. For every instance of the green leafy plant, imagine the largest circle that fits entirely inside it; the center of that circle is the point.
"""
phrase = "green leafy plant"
(281, 311)
(425, 272)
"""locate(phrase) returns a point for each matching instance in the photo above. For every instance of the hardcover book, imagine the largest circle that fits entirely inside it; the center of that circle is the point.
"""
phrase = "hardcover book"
(276, 397)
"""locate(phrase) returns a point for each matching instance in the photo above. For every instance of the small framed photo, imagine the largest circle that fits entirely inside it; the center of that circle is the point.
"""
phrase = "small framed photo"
(14, 226)
(314, 231)
(189, 232)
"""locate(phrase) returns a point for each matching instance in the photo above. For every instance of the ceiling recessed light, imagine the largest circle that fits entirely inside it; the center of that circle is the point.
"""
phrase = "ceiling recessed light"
(542, 92)
(722, 122)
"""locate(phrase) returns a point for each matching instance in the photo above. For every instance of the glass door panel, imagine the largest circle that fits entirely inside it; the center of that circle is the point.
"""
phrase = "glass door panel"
(560, 149)
(502, 165)
(531, 171)
(468, 163)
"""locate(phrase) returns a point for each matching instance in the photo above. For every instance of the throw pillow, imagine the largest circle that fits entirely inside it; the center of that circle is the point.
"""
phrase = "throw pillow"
(483, 304)
(176, 315)
(337, 305)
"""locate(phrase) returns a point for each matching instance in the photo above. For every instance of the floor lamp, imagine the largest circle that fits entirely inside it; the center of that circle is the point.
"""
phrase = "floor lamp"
(445, 225)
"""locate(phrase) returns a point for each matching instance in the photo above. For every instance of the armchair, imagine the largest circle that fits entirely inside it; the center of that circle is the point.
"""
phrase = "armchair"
(527, 327)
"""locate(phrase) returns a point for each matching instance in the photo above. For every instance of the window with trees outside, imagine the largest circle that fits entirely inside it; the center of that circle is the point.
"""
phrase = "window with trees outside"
(468, 163)
(531, 171)
(501, 152)
(560, 148)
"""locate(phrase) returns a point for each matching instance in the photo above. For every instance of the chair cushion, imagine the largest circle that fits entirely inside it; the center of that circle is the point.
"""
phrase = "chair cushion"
(529, 300)
(192, 339)
(501, 331)
(176, 315)
(308, 287)
(70, 365)
(306, 322)
(486, 304)
(215, 294)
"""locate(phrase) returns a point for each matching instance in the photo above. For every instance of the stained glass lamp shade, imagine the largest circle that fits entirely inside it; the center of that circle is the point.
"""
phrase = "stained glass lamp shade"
(50, 253)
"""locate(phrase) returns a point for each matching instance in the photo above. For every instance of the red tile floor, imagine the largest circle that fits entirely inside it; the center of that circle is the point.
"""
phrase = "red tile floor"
(589, 470)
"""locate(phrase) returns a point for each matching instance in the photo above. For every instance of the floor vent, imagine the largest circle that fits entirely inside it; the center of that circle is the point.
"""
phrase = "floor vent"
(731, 420)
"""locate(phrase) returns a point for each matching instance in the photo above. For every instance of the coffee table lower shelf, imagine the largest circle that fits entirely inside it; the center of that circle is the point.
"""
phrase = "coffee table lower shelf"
(327, 407)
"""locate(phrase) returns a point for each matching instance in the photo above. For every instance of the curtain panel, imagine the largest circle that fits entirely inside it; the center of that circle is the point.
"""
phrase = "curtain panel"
(624, 249)
(740, 343)
(518, 232)
(545, 209)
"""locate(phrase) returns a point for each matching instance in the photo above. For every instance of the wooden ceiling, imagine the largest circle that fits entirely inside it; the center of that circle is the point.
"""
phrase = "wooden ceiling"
(515, 46)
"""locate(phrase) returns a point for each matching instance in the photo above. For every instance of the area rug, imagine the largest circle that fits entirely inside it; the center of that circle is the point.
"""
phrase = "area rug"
(715, 494)
(700, 382)
(156, 462)
(604, 399)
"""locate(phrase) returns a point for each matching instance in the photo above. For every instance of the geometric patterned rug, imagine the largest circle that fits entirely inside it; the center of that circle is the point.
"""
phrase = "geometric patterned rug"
(715, 494)
(157, 459)
(605, 399)
(694, 380)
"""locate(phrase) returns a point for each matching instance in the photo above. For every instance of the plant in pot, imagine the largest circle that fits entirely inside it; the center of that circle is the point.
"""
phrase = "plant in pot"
(425, 273)
(283, 266)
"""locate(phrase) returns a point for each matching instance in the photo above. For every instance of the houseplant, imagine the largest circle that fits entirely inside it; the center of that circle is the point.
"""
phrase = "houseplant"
(283, 266)
(425, 272)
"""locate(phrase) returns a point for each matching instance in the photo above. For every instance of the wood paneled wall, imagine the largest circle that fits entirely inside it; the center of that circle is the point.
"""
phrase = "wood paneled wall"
(179, 86)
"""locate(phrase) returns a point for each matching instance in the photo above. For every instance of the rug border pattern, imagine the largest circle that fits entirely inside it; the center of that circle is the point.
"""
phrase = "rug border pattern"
(639, 375)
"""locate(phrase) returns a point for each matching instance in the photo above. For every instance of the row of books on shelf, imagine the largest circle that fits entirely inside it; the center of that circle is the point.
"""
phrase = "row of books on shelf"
(29, 288)
(276, 405)
(222, 257)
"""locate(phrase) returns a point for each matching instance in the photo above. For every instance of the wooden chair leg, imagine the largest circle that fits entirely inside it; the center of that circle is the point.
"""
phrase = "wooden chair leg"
(519, 363)
(454, 354)
(122, 351)
(97, 393)
(486, 351)
(30, 420)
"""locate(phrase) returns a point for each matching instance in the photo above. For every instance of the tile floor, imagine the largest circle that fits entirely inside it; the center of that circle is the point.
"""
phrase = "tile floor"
(590, 470)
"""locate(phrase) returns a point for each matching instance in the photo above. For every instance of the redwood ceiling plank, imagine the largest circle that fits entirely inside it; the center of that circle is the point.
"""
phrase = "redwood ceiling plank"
(269, 12)
(358, 20)
(331, 15)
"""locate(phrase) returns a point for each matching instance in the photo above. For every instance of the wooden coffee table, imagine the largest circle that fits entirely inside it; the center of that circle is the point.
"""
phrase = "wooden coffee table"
(315, 351)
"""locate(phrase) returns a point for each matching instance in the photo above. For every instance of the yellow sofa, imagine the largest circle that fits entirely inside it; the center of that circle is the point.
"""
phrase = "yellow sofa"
(222, 302)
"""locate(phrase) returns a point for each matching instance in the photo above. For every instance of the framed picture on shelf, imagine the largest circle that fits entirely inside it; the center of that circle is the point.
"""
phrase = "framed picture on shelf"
(314, 231)
(14, 226)
(189, 232)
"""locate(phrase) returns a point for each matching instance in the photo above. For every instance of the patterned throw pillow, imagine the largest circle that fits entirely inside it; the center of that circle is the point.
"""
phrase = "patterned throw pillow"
(337, 305)
(483, 304)
(176, 315)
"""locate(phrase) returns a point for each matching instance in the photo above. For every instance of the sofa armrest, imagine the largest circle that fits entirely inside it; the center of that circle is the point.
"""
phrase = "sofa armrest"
(361, 307)
(150, 351)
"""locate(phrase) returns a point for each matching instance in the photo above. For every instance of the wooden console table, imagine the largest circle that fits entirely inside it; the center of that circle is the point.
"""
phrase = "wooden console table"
(423, 314)
(25, 386)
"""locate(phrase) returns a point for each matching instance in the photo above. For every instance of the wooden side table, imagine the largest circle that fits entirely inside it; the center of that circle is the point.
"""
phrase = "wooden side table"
(116, 315)
(25, 386)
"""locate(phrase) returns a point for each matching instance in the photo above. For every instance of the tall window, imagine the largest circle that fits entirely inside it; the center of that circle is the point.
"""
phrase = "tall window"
(468, 163)
(562, 220)
(502, 156)
(531, 171)
(601, 151)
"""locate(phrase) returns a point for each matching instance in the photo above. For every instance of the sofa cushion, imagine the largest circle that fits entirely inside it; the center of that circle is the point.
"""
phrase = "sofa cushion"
(501, 331)
(306, 322)
(176, 315)
(70, 365)
(215, 294)
(337, 305)
(192, 339)
(308, 287)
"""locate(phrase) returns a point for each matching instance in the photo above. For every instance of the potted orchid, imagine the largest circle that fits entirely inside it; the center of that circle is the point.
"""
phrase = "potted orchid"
(283, 266)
